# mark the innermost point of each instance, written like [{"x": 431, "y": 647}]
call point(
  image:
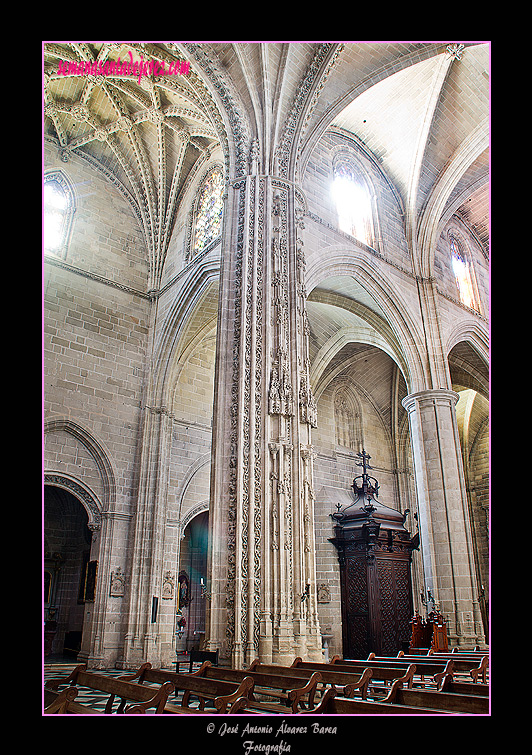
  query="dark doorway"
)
[
  {"x": 193, "y": 582},
  {"x": 68, "y": 573}
]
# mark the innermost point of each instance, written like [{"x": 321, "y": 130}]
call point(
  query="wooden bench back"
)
[
  {"x": 328, "y": 675},
  {"x": 113, "y": 686},
  {"x": 460, "y": 664},
  {"x": 332, "y": 705},
  {"x": 378, "y": 672},
  {"x": 224, "y": 692},
  {"x": 280, "y": 681},
  {"x": 422, "y": 668},
  {"x": 214, "y": 686},
  {"x": 446, "y": 701},
  {"x": 347, "y": 681}
]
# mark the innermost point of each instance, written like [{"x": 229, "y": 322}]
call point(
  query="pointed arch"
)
[
  {"x": 82, "y": 493},
  {"x": 390, "y": 316},
  {"x": 98, "y": 453}
]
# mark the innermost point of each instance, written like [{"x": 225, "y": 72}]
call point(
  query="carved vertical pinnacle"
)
[
  {"x": 308, "y": 410},
  {"x": 280, "y": 396},
  {"x": 307, "y": 404}
]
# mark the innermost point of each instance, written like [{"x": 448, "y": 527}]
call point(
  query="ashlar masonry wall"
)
[{"x": 95, "y": 344}]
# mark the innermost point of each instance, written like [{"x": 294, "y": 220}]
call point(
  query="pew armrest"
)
[
  {"x": 396, "y": 685},
  {"x": 69, "y": 680},
  {"x": 245, "y": 689},
  {"x": 158, "y": 701},
  {"x": 362, "y": 685},
  {"x": 137, "y": 676},
  {"x": 295, "y": 695},
  {"x": 57, "y": 702},
  {"x": 408, "y": 676}
]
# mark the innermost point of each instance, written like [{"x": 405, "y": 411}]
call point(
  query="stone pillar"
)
[
  {"x": 445, "y": 530},
  {"x": 262, "y": 552}
]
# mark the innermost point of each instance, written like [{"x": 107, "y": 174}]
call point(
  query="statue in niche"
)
[{"x": 183, "y": 590}]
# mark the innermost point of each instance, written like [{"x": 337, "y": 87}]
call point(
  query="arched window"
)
[
  {"x": 347, "y": 418},
  {"x": 353, "y": 202},
  {"x": 462, "y": 274},
  {"x": 209, "y": 211},
  {"x": 58, "y": 209}
]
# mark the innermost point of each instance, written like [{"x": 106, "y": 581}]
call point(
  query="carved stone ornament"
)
[
  {"x": 117, "y": 584},
  {"x": 324, "y": 593},
  {"x": 168, "y": 586}
]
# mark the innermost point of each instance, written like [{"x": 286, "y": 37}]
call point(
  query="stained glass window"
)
[
  {"x": 462, "y": 275},
  {"x": 352, "y": 202},
  {"x": 209, "y": 211},
  {"x": 56, "y": 205}
]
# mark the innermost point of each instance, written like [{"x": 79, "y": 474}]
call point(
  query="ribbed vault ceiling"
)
[{"x": 421, "y": 111}]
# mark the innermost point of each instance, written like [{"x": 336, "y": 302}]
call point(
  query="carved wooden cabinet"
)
[{"x": 375, "y": 553}]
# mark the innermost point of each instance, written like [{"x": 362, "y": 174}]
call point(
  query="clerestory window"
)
[
  {"x": 209, "y": 211},
  {"x": 353, "y": 202},
  {"x": 58, "y": 209},
  {"x": 462, "y": 275}
]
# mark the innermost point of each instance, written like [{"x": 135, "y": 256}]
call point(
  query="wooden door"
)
[{"x": 376, "y": 605}]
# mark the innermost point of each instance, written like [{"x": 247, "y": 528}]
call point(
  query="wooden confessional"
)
[{"x": 375, "y": 553}]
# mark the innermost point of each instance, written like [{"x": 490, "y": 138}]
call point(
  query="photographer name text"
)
[{"x": 251, "y": 746}]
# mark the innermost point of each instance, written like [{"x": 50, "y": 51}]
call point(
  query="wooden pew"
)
[
  {"x": 476, "y": 667},
  {"x": 381, "y": 675},
  {"x": 226, "y": 696},
  {"x": 347, "y": 683},
  {"x": 444, "y": 701},
  {"x": 331, "y": 704},
  {"x": 142, "y": 697},
  {"x": 65, "y": 702},
  {"x": 293, "y": 692},
  {"x": 426, "y": 672},
  {"x": 405, "y": 702}
]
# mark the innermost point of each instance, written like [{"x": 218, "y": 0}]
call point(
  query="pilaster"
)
[{"x": 150, "y": 628}]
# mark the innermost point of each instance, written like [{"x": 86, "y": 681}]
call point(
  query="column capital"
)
[{"x": 441, "y": 395}]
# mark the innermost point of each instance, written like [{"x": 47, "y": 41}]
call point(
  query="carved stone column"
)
[
  {"x": 445, "y": 529},
  {"x": 262, "y": 544}
]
